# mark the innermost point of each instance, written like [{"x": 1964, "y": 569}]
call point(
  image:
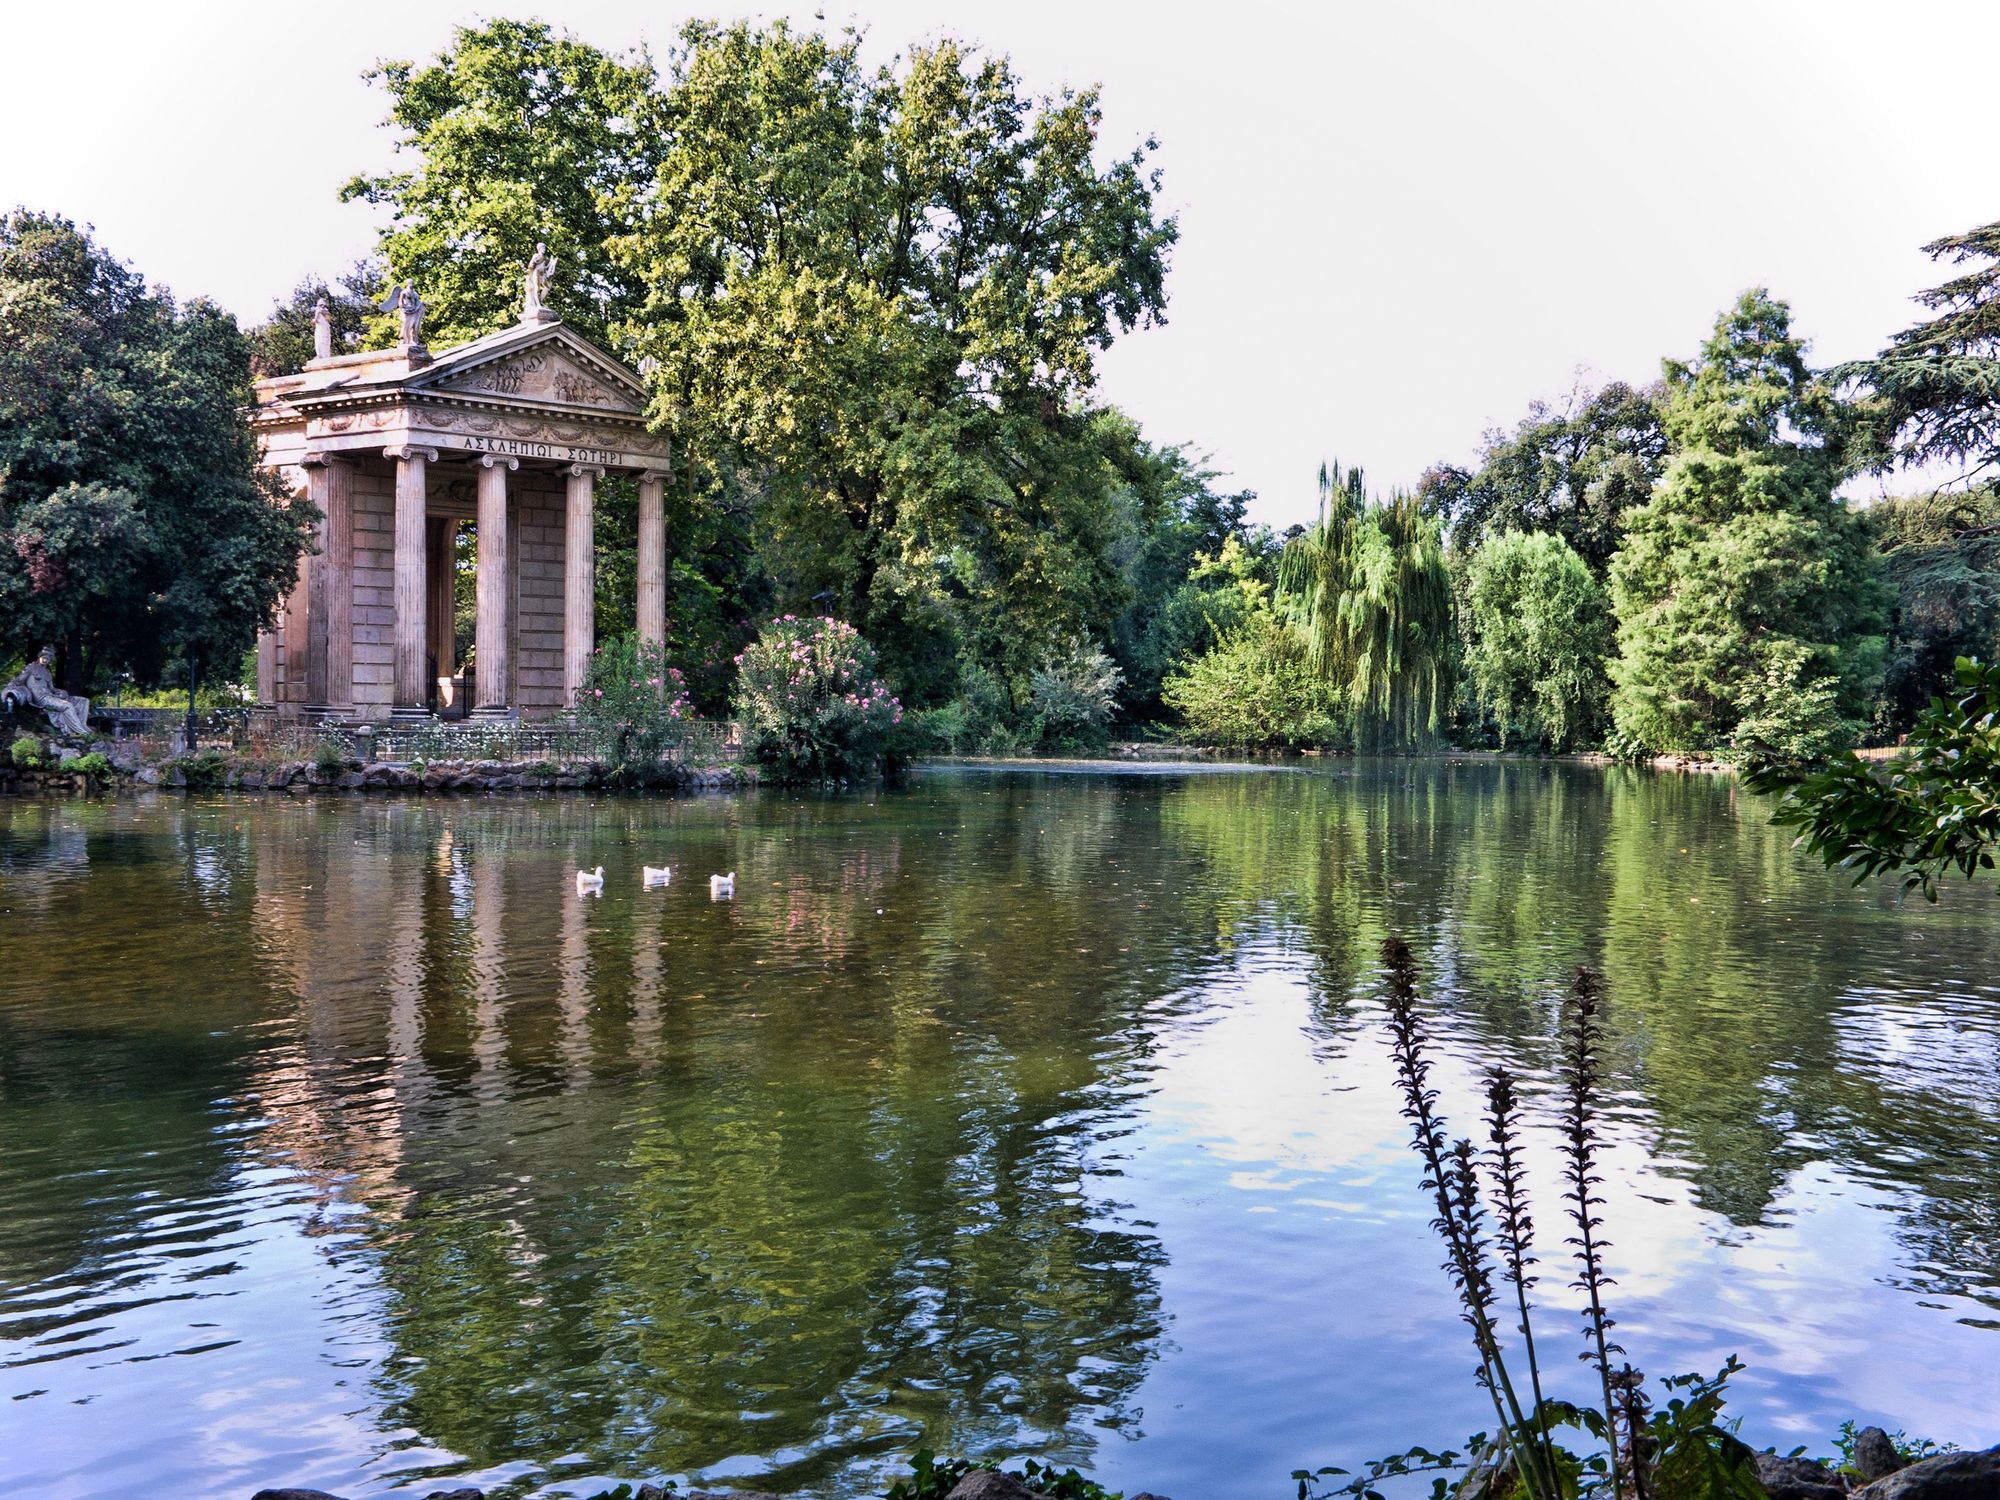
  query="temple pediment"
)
[{"x": 540, "y": 366}]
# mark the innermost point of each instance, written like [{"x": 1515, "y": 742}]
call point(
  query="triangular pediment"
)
[{"x": 536, "y": 365}]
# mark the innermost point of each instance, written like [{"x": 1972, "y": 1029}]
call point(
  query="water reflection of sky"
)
[{"x": 341, "y": 1145}]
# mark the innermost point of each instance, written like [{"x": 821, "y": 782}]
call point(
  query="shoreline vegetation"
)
[{"x": 107, "y": 767}]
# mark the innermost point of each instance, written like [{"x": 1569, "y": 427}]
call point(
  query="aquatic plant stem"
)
[
  {"x": 1580, "y": 1064},
  {"x": 1457, "y": 1202},
  {"x": 1517, "y": 1232}
]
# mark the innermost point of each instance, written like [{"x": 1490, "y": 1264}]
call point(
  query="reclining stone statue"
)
[{"x": 36, "y": 687}]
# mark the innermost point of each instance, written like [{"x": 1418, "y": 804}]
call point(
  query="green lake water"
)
[{"x": 343, "y": 1144}]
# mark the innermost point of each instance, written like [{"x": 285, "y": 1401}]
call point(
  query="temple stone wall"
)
[
  {"x": 537, "y": 661},
  {"x": 374, "y": 588}
]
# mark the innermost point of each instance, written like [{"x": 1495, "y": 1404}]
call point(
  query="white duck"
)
[
  {"x": 657, "y": 874},
  {"x": 721, "y": 885},
  {"x": 590, "y": 882}
]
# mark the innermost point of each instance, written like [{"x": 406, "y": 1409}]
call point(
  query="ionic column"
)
[
  {"x": 653, "y": 557},
  {"x": 579, "y": 578},
  {"x": 412, "y": 582},
  {"x": 495, "y": 585},
  {"x": 330, "y": 585}
]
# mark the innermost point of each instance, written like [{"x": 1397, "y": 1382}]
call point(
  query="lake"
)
[{"x": 343, "y": 1144}]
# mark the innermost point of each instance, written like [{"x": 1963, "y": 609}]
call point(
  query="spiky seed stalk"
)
[
  {"x": 1454, "y": 1186},
  {"x": 1516, "y": 1225},
  {"x": 1580, "y": 1082}
]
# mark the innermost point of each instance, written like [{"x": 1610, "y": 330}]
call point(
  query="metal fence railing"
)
[
  {"x": 706, "y": 743},
  {"x": 262, "y": 733}
]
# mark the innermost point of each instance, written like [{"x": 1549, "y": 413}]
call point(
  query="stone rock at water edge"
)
[{"x": 1949, "y": 1476}]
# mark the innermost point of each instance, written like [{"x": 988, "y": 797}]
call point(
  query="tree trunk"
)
[
  {"x": 72, "y": 662},
  {"x": 194, "y": 686}
]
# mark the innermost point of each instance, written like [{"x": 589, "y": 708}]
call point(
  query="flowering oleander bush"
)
[
  {"x": 810, "y": 701},
  {"x": 635, "y": 705}
]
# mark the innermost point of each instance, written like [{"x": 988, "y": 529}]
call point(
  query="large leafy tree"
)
[
  {"x": 875, "y": 298},
  {"x": 516, "y": 136},
  {"x": 881, "y": 294},
  {"x": 1369, "y": 586},
  {"x": 135, "y": 528},
  {"x": 1178, "y": 605},
  {"x": 1746, "y": 591},
  {"x": 1936, "y": 388},
  {"x": 1570, "y": 469},
  {"x": 1540, "y": 630}
]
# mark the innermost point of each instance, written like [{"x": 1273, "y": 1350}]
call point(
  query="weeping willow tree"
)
[{"x": 1368, "y": 585}]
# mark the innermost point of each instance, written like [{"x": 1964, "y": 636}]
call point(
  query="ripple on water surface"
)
[{"x": 344, "y": 1145}]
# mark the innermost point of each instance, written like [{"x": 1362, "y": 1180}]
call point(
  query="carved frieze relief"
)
[{"x": 540, "y": 375}]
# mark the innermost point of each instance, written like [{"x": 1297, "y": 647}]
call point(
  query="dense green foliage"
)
[
  {"x": 1572, "y": 471},
  {"x": 1256, "y": 688},
  {"x": 1538, "y": 633},
  {"x": 517, "y": 136},
  {"x": 1934, "y": 808},
  {"x": 1747, "y": 602},
  {"x": 874, "y": 298},
  {"x": 135, "y": 530},
  {"x": 811, "y": 702},
  {"x": 884, "y": 291},
  {"x": 1941, "y": 559},
  {"x": 1073, "y": 696}
]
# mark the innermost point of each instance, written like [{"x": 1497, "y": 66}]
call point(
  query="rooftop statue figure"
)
[
  {"x": 404, "y": 299},
  {"x": 322, "y": 328},
  {"x": 541, "y": 271}
]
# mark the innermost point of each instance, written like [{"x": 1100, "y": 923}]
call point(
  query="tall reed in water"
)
[{"x": 1681, "y": 1452}]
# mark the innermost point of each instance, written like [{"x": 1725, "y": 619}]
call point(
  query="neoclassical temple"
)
[{"x": 400, "y": 449}]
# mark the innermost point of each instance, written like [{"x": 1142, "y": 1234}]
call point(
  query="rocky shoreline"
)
[
  {"x": 105, "y": 770},
  {"x": 1879, "y": 1472}
]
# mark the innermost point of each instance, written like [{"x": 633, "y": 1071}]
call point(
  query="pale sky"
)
[{"x": 1400, "y": 222}]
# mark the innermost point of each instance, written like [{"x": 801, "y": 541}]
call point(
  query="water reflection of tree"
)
[
  {"x": 636, "y": 1194},
  {"x": 864, "y": 1170},
  {"x": 102, "y": 1045},
  {"x": 1731, "y": 992}
]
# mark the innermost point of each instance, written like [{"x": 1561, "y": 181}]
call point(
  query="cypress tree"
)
[{"x": 1746, "y": 592}]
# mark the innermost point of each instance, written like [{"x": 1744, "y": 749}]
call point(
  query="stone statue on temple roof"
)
[
  {"x": 541, "y": 271},
  {"x": 322, "y": 328},
  {"x": 404, "y": 299}
]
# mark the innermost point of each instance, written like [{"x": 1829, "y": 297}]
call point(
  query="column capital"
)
[
  {"x": 496, "y": 460},
  {"x": 317, "y": 458},
  {"x": 662, "y": 475},
  {"x": 411, "y": 450},
  {"x": 594, "y": 471}
]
